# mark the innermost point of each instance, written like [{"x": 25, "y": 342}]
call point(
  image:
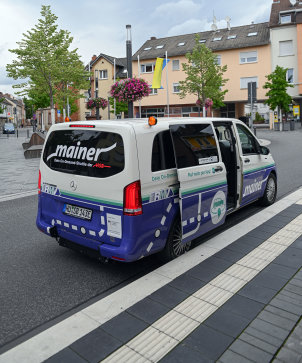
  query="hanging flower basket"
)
[
  {"x": 198, "y": 102},
  {"x": 98, "y": 102},
  {"x": 131, "y": 89},
  {"x": 208, "y": 103}
]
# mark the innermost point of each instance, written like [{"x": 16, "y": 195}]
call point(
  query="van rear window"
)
[{"x": 85, "y": 152}]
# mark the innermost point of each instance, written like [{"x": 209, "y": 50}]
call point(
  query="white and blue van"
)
[{"x": 123, "y": 190}]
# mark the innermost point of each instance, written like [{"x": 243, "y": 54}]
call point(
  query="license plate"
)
[{"x": 78, "y": 212}]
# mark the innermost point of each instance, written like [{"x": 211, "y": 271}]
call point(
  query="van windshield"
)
[{"x": 85, "y": 152}]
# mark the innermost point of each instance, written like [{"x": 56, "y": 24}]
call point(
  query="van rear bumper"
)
[{"x": 86, "y": 245}]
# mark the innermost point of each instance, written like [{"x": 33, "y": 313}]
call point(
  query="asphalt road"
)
[{"x": 40, "y": 281}]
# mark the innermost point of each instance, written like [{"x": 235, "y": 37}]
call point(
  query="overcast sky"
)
[{"x": 98, "y": 26}]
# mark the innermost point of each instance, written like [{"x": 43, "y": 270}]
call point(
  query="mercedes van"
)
[{"x": 123, "y": 190}]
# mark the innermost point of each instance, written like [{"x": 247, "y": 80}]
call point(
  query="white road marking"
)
[
  {"x": 4, "y": 198},
  {"x": 52, "y": 340}
]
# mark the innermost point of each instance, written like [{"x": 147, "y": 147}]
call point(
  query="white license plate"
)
[{"x": 78, "y": 212}]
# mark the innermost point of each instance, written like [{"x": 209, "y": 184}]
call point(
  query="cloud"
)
[{"x": 175, "y": 11}]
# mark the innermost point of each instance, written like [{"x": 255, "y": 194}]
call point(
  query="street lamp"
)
[{"x": 129, "y": 64}]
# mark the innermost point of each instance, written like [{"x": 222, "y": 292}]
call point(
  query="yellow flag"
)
[{"x": 156, "y": 83}]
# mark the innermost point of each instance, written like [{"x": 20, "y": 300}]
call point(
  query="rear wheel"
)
[
  {"x": 174, "y": 246},
  {"x": 270, "y": 192}
]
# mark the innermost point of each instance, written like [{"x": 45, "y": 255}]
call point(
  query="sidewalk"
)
[
  {"x": 17, "y": 175},
  {"x": 235, "y": 298}
]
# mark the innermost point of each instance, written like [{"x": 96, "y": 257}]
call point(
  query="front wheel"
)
[
  {"x": 174, "y": 246},
  {"x": 270, "y": 192}
]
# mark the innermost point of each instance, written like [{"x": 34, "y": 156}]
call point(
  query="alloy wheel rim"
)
[{"x": 271, "y": 189}]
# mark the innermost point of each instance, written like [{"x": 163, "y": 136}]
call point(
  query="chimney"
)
[
  {"x": 93, "y": 58},
  {"x": 152, "y": 38}
]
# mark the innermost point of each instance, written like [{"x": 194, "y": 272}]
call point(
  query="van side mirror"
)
[{"x": 264, "y": 150}]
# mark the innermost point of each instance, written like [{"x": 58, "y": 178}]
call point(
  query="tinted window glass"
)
[
  {"x": 249, "y": 144},
  {"x": 85, "y": 152},
  {"x": 194, "y": 145},
  {"x": 162, "y": 152}
]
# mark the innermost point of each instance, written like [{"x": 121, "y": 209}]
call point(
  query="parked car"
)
[{"x": 8, "y": 128}]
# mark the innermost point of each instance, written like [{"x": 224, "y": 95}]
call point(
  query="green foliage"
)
[
  {"x": 120, "y": 107},
  {"x": 277, "y": 90},
  {"x": 258, "y": 118},
  {"x": 204, "y": 75},
  {"x": 1, "y": 106},
  {"x": 45, "y": 63}
]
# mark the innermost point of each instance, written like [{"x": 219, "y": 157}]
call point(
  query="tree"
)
[
  {"x": 45, "y": 62},
  {"x": 204, "y": 76},
  {"x": 277, "y": 85},
  {"x": 1, "y": 104},
  {"x": 120, "y": 107}
]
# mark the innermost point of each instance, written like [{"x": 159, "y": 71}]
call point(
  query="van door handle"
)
[
  {"x": 218, "y": 168},
  {"x": 247, "y": 160}
]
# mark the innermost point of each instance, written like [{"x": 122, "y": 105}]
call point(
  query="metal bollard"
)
[
  {"x": 255, "y": 133},
  {"x": 27, "y": 132},
  {"x": 17, "y": 133}
]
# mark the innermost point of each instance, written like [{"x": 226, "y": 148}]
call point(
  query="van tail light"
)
[
  {"x": 133, "y": 199},
  {"x": 39, "y": 183}
]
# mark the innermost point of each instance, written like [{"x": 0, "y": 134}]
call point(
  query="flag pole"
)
[
  {"x": 139, "y": 74},
  {"x": 167, "y": 85}
]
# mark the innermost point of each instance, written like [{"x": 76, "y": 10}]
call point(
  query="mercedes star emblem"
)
[{"x": 73, "y": 185}]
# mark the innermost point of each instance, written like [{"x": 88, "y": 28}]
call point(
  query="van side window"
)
[
  {"x": 248, "y": 142},
  {"x": 162, "y": 152},
  {"x": 194, "y": 144}
]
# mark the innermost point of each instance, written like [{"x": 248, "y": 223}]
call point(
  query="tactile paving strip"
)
[{"x": 163, "y": 335}]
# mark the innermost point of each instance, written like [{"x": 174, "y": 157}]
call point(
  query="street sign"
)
[
  {"x": 275, "y": 116},
  {"x": 252, "y": 92},
  {"x": 58, "y": 112},
  {"x": 296, "y": 110}
]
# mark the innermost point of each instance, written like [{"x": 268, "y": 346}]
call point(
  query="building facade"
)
[{"x": 245, "y": 50}]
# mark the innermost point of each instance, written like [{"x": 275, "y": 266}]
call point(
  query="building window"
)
[
  {"x": 175, "y": 65},
  {"x": 181, "y": 44},
  {"x": 217, "y": 39},
  {"x": 218, "y": 60},
  {"x": 154, "y": 91},
  {"x": 104, "y": 74},
  {"x": 286, "y": 48},
  {"x": 228, "y": 110},
  {"x": 176, "y": 88},
  {"x": 202, "y": 40},
  {"x": 148, "y": 48},
  {"x": 158, "y": 112},
  {"x": 159, "y": 46},
  {"x": 86, "y": 94},
  {"x": 248, "y": 57},
  {"x": 245, "y": 80},
  {"x": 253, "y": 34},
  {"x": 232, "y": 36},
  {"x": 284, "y": 19},
  {"x": 290, "y": 75},
  {"x": 147, "y": 68}
]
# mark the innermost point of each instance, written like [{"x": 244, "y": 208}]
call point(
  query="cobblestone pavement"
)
[{"x": 17, "y": 174}]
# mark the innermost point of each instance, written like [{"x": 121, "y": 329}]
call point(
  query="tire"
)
[
  {"x": 270, "y": 192},
  {"x": 174, "y": 248}
]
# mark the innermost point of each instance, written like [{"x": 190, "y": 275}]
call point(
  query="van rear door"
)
[
  {"x": 84, "y": 171},
  {"x": 202, "y": 178}
]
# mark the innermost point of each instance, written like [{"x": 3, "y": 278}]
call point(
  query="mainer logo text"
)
[{"x": 79, "y": 152}]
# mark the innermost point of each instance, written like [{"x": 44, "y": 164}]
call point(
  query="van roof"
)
[{"x": 140, "y": 123}]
